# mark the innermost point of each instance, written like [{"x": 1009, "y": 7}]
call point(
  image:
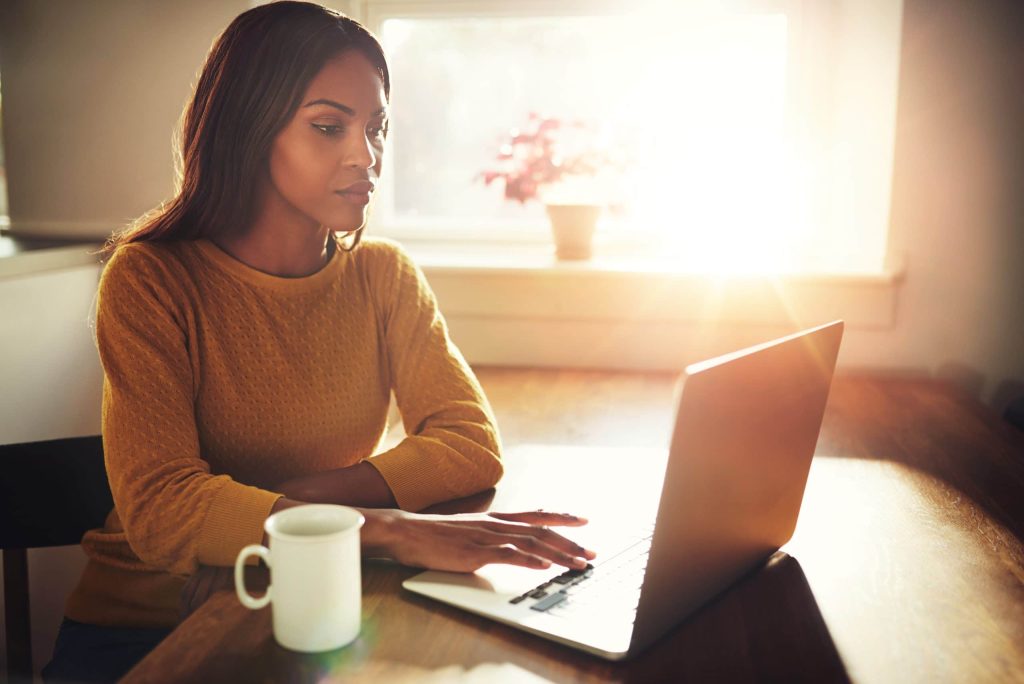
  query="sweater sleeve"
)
[
  {"x": 175, "y": 513},
  {"x": 452, "y": 448}
]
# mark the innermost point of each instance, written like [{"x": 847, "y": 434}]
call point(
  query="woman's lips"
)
[
  {"x": 357, "y": 198},
  {"x": 358, "y": 193},
  {"x": 359, "y": 186}
]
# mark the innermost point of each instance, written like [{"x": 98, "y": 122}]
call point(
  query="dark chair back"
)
[
  {"x": 51, "y": 493},
  {"x": 1015, "y": 413}
]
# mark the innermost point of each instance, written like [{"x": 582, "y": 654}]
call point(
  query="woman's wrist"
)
[{"x": 379, "y": 533}]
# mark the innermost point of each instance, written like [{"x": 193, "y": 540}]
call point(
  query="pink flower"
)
[{"x": 533, "y": 156}]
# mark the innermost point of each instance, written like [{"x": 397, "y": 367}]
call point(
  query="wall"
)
[
  {"x": 50, "y": 374},
  {"x": 958, "y": 196},
  {"x": 92, "y": 92}
]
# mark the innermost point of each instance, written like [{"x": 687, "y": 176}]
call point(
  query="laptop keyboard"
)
[{"x": 613, "y": 582}]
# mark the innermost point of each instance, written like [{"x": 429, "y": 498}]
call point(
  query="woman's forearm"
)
[{"x": 358, "y": 485}]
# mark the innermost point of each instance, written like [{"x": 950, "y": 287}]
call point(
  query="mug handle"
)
[{"x": 247, "y": 599}]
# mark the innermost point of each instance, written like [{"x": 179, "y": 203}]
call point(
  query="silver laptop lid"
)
[{"x": 746, "y": 428}]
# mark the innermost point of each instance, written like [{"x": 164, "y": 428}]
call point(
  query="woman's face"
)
[{"x": 326, "y": 161}]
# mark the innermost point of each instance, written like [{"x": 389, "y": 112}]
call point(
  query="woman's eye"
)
[
  {"x": 378, "y": 131},
  {"x": 327, "y": 129}
]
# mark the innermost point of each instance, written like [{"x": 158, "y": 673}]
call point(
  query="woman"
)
[{"x": 250, "y": 341}]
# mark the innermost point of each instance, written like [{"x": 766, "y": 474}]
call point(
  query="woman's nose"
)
[{"x": 360, "y": 153}]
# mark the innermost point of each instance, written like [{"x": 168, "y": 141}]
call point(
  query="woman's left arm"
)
[{"x": 452, "y": 448}]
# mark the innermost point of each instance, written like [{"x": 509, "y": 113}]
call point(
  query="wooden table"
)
[{"x": 907, "y": 564}]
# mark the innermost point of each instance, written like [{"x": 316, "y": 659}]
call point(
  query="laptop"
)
[{"x": 746, "y": 428}]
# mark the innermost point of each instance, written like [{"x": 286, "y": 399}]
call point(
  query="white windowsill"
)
[
  {"x": 524, "y": 281},
  {"x": 533, "y": 256}
]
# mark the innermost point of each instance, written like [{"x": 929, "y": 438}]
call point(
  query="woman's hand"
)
[{"x": 466, "y": 542}]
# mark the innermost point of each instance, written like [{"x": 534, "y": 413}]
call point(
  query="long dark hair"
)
[{"x": 250, "y": 87}]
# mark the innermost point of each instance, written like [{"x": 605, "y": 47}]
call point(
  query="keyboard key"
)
[
  {"x": 517, "y": 599},
  {"x": 540, "y": 593},
  {"x": 551, "y": 600},
  {"x": 571, "y": 574}
]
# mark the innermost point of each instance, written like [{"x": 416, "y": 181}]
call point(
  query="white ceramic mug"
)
[{"x": 315, "y": 582}]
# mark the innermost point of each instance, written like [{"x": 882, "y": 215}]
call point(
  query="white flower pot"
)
[{"x": 573, "y": 226}]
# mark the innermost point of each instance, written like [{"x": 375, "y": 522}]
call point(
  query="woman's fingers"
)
[
  {"x": 441, "y": 545},
  {"x": 530, "y": 540},
  {"x": 510, "y": 555},
  {"x": 529, "y": 525},
  {"x": 464, "y": 544},
  {"x": 541, "y": 534},
  {"x": 541, "y": 518}
]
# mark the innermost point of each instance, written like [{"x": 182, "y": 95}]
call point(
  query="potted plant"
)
[{"x": 557, "y": 162}]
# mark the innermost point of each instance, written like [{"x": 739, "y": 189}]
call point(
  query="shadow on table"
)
[{"x": 767, "y": 627}]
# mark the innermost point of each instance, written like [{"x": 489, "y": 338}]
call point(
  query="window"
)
[{"x": 760, "y": 134}]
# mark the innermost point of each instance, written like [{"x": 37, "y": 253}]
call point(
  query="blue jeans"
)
[{"x": 91, "y": 653}]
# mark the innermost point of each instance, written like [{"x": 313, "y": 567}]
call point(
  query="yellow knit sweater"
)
[{"x": 221, "y": 381}]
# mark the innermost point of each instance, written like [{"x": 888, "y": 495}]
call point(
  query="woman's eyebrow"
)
[{"x": 345, "y": 108}]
